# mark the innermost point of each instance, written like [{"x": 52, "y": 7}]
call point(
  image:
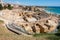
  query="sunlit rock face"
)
[
  {"x": 52, "y": 25},
  {"x": 31, "y": 19}
]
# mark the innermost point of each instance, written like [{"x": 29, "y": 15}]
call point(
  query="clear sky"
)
[{"x": 35, "y": 2}]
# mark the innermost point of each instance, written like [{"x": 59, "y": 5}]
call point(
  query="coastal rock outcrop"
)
[{"x": 32, "y": 21}]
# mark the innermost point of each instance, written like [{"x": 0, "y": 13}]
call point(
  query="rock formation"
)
[{"x": 31, "y": 20}]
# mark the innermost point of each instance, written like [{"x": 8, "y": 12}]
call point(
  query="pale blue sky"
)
[{"x": 36, "y": 2}]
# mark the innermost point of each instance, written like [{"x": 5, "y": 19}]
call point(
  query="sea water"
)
[{"x": 53, "y": 9}]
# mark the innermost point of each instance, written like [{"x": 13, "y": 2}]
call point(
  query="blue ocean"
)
[{"x": 55, "y": 10}]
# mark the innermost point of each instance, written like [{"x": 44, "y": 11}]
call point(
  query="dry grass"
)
[{"x": 5, "y": 34}]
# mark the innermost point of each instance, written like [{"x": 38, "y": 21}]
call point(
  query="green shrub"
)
[
  {"x": 1, "y": 7},
  {"x": 5, "y": 7},
  {"x": 9, "y": 7},
  {"x": 58, "y": 27}
]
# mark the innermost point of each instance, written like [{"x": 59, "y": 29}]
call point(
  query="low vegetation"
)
[
  {"x": 48, "y": 36},
  {"x": 6, "y": 7}
]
